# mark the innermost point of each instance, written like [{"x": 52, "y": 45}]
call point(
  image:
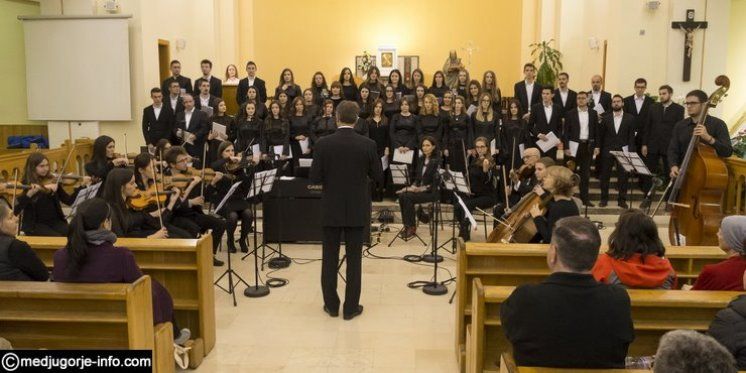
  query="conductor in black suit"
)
[
  {"x": 157, "y": 119},
  {"x": 197, "y": 124},
  {"x": 343, "y": 163},
  {"x": 616, "y": 133}
]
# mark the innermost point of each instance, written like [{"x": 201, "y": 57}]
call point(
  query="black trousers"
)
[
  {"x": 330, "y": 260},
  {"x": 200, "y": 223},
  {"x": 482, "y": 202},
  {"x": 408, "y": 200},
  {"x": 583, "y": 164},
  {"x": 56, "y": 228},
  {"x": 607, "y": 163},
  {"x": 653, "y": 162}
]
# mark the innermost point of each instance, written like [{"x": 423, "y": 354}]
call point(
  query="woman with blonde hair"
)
[
  {"x": 484, "y": 119},
  {"x": 560, "y": 182},
  {"x": 429, "y": 122}
]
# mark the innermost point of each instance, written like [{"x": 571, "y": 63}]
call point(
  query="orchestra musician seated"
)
[
  {"x": 482, "y": 189},
  {"x": 423, "y": 189}
]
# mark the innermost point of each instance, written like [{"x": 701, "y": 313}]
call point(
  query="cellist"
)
[{"x": 713, "y": 132}]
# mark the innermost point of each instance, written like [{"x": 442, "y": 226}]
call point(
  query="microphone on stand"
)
[{"x": 657, "y": 183}]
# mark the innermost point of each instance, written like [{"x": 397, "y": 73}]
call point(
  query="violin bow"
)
[
  {"x": 126, "y": 157},
  {"x": 13, "y": 206},
  {"x": 466, "y": 164},
  {"x": 157, "y": 199},
  {"x": 204, "y": 160},
  {"x": 512, "y": 161},
  {"x": 64, "y": 166}
]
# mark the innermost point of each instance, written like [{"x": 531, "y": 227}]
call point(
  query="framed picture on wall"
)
[
  {"x": 360, "y": 70},
  {"x": 387, "y": 60},
  {"x": 407, "y": 64}
]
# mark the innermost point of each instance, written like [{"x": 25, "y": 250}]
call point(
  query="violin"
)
[
  {"x": 149, "y": 197},
  {"x": 233, "y": 165},
  {"x": 523, "y": 173},
  {"x": 10, "y": 188}
]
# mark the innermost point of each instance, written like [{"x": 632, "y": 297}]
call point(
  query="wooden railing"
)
[
  {"x": 82, "y": 152},
  {"x": 735, "y": 196}
]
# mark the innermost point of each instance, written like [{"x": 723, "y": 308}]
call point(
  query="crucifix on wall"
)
[{"x": 688, "y": 26}]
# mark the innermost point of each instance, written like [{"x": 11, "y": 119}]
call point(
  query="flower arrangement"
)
[
  {"x": 365, "y": 63},
  {"x": 739, "y": 143}
]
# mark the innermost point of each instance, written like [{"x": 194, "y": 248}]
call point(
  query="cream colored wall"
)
[
  {"x": 13, "y": 61},
  {"x": 734, "y": 106},
  {"x": 326, "y": 35}
]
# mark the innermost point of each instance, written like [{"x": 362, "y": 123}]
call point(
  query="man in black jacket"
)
[
  {"x": 184, "y": 82},
  {"x": 216, "y": 85},
  {"x": 638, "y": 105},
  {"x": 251, "y": 81},
  {"x": 546, "y": 117},
  {"x": 563, "y": 96},
  {"x": 527, "y": 91},
  {"x": 570, "y": 320},
  {"x": 205, "y": 99},
  {"x": 656, "y": 136},
  {"x": 157, "y": 119},
  {"x": 173, "y": 99},
  {"x": 597, "y": 96},
  {"x": 616, "y": 133},
  {"x": 192, "y": 127},
  {"x": 580, "y": 128},
  {"x": 344, "y": 163}
]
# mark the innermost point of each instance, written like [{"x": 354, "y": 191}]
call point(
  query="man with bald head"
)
[
  {"x": 521, "y": 186},
  {"x": 597, "y": 95}
]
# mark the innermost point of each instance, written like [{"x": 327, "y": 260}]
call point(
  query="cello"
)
[{"x": 696, "y": 199}]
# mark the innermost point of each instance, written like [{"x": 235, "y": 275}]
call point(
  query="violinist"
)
[
  {"x": 215, "y": 139},
  {"x": 523, "y": 179},
  {"x": 423, "y": 189},
  {"x": 103, "y": 160},
  {"x": 237, "y": 207},
  {"x": 248, "y": 130},
  {"x": 145, "y": 198},
  {"x": 126, "y": 222},
  {"x": 41, "y": 204},
  {"x": 482, "y": 188},
  {"x": 560, "y": 182},
  {"x": 188, "y": 214}
]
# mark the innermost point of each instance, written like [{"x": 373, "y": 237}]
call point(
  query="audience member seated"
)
[
  {"x": 91, "y": 257},
  {"x": 728, "y": 274},
  {"x": 729, "y": 328},
  {"x": 687, "y": 351},
  {"x": 569, "y": 320},
  {"x": 5, "y": 345},
  {"x": 636, "y": 255},
  {"x": 17, "y": 261}
]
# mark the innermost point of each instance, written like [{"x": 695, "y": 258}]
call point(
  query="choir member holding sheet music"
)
[
  {"x": 545, "y": 122},
  {"x": 300, "y": 132},
  {"x": 221, "y": 124},
  {"x": 580, "y": 137},
  {"x": 514, "y": 136},
  {"x": 403, "y": 133},
  {"x": 458, "y": 136},
  {"x": 247, "y": 133},
  {"x": 378, "y": 130},
  {"x": 615, "y": 133}
]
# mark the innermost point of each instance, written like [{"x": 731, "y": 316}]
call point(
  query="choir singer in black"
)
[{"x": 343, "y": 163}]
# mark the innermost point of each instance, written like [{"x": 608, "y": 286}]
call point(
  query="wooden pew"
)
[
  {"x": 654, "y": 312},
  {"x": 82, "y": 152},
  {"x": 507, "y": 365},
  {"x": 183, "y": 266},
  {"x": 52, "y": 315},
  {"x": 515, "y": 264}
]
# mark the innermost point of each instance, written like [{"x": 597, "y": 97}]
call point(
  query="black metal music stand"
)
[{"x": 256, "y": 290}]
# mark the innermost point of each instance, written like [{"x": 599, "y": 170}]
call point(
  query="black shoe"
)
[
  {"x": 217, "y": 262},
  {"x": 603, "y": 204},
  {"x": 244, "y": 245},
  {"x": 588, "y": 203},
  {"x": 623, "y": 204},
  {"x": 645, "y": 204},
  {"x": 232, "y": 247},
  {"x": 354, "y": 314},
  {"x": 330, "y": 313}
]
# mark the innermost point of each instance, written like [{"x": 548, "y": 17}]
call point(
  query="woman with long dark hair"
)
[
  {"x": 423, "y": 189},
  {"x": 403, "y": 130},
  {"x": 118, "y": 188},
  {"x": 446, "y": 105},
  {"x": 237, "y": 208},
  {"x": 91, "y": 257},
  {"x": 20, "y": 262},
  {"x": 276, "y": 133},
  {"x": 482, "y": 189},
  {"x": 419, "y": 98},
  {"x": 462, "y": 83},
  {"x": 145, "y": 177},
  {"x": 636, "y": 255},
  {"x": 287, "y": 85},
  {"x": 350, "y": 91},
  {"x": 42, "y": 204},
  {"x": 103, "y": 160},
  {"x": 390, "y": 103},
  {"x": 312, "y": 108},
  {"x": 417, "y": 78},
  {"x": 365, "y": 103},
  {"x": 220, "y": 116},
  {"x": 513, "y": 134},
  {"x": 319, "y": 88},
  {"x": 378, "y": 130},
  {"x": 248, "y": 131},
  {"x": 489, "y": 85},
  {"x": 260, "y": 109},
  {"x": 326, "y": 124},
  {"x": 373, "y": 82},
  {"x": 396, "y": 82},
  {"x": 485, "y": 120},
  {"x": 300, "y": 132},
  {"x": 457, "y": 136},
  {"x": 439, "y": 86}
]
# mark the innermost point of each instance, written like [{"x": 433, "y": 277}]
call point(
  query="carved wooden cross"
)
[{"x": 688, "y": 26}]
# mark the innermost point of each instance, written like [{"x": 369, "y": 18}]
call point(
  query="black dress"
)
[
  {"x": 260, "y": 112},
  {"x": 42, "y": 213},
  {"x": 375, "y": 88},
  {"x": 322, "y": 127},
  {"x": 485, "y": 128},
  {"x": 513, "y": 131},
  {"x": 276, "y": 133},
  {"x": 379, "y": 132},
  {"x": 299, "y": 125},
  {"x": 458, "y": 134},
  {"x": 556, "y": 210},
  {"x": 247, "y": 133},
  {"x": 319, "y": 95},
  {"x": 390, "y": 109},
  {"x": 403, "y": 132},
  {"x": 439, "y": 92},
  {"x": 292, "y": 91},
  {"x": 350, "y": 92},
  {"x": 430, "y": 125},
  {"x": 228, "y": 121},
  {"x": 483, "y": 193},
  {"x": 366, "y": 108}
]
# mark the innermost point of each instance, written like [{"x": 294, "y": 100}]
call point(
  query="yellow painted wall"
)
[
  {"x": 13, "y": 61},
  {"x": 734, "y": 106},
  {"x": 326, "y": 35}
]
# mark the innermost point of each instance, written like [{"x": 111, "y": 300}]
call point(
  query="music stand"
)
[
  {"x": 400, "y": 176},
  {"x": 447, "y": 181},
  {"x": 258, "y": 185},
  {"x": 230, "y": 272},
  {"x": 632, "y": 164},
  {"x": 84, "y": 195}
]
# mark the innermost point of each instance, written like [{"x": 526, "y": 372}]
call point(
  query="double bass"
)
[{"x": 696, "y": 199}]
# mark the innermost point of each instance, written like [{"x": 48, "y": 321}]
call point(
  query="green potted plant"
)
[
  {"x": 548, "y": 61},
  {"x": 739, "y": 144}
]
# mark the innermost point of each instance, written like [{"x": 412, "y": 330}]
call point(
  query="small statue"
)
[{"x": 451, "y": 68}]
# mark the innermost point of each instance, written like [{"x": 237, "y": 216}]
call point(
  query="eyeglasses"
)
[
  {"x": 481, "y": 147},
  {"x": 692, "y": 103}
]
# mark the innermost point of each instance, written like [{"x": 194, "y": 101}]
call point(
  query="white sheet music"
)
[
  {"x": 304, "y": 145},
  {"x": 278, "y": 150},
  {"x": 551, "y": 141},
  {"x": 385, "y": 162},
  {"x": 599, "y": 109},
  {"x": 406, "y": 157},
  {"x": 467, "y": 213},
  {"x": 574, "y": 148},
  {"x": 493, "y": 147},
  {"x": 305, "y": 162},
  {"x": 219, "y": 129},
  {"x": 399, "y": 174},
  {"x": 227, "y": 196},
  {"x": 85, "y": 194},
  {"x": 447, "y": 180},
  {"x": 521, "y": 148}
]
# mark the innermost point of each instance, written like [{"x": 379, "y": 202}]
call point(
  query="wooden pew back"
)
[
  {"x": 654, "y": 312},
  {"x": 183, "y": 266},
  {"x": 82, "y": 152}
]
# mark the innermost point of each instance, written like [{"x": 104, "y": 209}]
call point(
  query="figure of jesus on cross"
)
[{"x": 688, "y": 26}]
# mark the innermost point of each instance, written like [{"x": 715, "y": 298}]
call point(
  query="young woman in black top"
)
[
  {"x": 439, "y": 87},
  {"x": 237, "y": 207},
  {"x": 561, "y": 182},
  {"x": 313, "y": 109},
  {"x": 365, "y": 103},
  {"x": 429, "y": 122},
  {"x": 287, "y": 85},
  {"x": 457, "y": 135},
  {"x": 214, "y": 139},
  {"x": 319, "y": 88},
  {"x": 396, "y": 82},
  {"x": 326, "y": 125},
  {"x": 489, "y": 85},
  {"x": 482, "y": 189},
  {"x": 373, "y": 83},
  {"x": 446, "y": 105},
  {"x": 336, "y": 94},
  {"x": 417, "y": 78},
  {"x": 276, "y": 133},
  {"x": 42, "y": 204},
  {"x": 125, "y": 222},
  {"x": 248, "y": 131},
  {"x": 18, "y": 262},
  {"x": 390, "y": 103},
  {"x": 284, "y": 102},
  {"x": 472, "y": 100},
  {"x": 485, "y": 120},
  {"x": 462, "y": 83},
  {"x": 419, "y": 98},
  {"x": 513, "y": 133},
  {"x": 260, "y": 109},
  {"x": 300, "y": 131},
  {"x": 423, "y": 189},
  {"x": 103, "y": 160},
  {"x": 378, "y": 130},
  {"x": 403, "y": 129},
  {"x": 350, "y": 91}
]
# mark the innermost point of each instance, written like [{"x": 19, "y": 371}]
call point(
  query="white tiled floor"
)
[{"x": 400, "y": 330}]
